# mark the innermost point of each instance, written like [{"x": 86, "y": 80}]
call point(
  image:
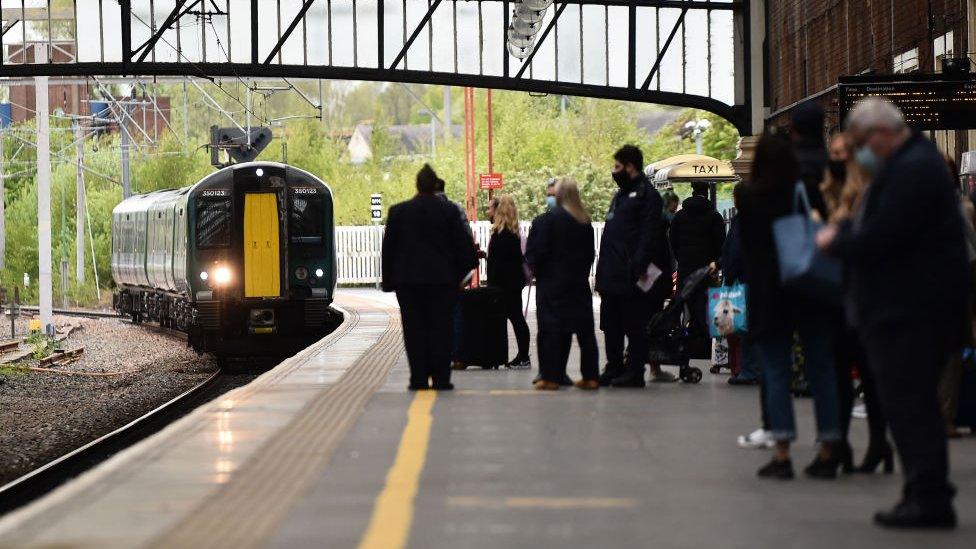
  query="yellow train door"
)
[{"x": 262, "y": 264}]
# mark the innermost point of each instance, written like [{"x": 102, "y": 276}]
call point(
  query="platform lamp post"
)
[
  {"x": 433, "y": 130},
  {"x": 43, "y": 193}
]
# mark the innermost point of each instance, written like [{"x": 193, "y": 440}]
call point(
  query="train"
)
[{"x": 243, "y": 261}]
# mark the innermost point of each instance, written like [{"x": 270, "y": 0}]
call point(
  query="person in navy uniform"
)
[
  {"x": 634, "y": 237},
  {"x": 427, "y": 253}
]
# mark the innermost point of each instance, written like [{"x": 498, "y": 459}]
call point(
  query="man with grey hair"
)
[{"x": 907, "y": 286}]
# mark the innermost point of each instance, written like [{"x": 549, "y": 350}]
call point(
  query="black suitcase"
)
[{"x": 484, "y": 328}]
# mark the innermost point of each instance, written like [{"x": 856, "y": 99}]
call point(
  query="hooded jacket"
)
[{"x": 697, "y": 235}]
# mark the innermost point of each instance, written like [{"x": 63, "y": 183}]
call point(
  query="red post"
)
[
  {"x": 471, "y": 175},
  {"x": 491, "y": 144}
]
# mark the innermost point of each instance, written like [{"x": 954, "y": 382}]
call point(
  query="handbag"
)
[
  {"x": 727, "y": 311},
  {"x": 802, "y": 266}
]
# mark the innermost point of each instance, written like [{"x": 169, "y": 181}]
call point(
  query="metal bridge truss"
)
[{"x": 691, "y": 53}]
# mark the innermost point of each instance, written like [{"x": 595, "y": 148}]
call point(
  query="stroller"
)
[{"x": 668, "y": 334}]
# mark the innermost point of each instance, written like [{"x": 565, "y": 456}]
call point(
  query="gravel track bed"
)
[{"x": 44, "y": 415}]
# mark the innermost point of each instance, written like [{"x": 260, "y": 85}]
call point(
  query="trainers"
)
[
  {"x": 757, "y": 440},
  {"x": 519, "y": 364},
  {"x": 630, "y": 380}
]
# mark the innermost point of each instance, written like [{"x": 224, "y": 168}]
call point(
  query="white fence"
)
[{"x": 358, "y": 250}]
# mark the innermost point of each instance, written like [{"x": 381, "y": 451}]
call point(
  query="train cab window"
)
[
  {"x": 213, "y": 222},
  {"x": 307, "y": 219}
]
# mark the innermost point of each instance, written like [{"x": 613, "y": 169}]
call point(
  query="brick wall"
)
[{"x": 812, "y": 43}]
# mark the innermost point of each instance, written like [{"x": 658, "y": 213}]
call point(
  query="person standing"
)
[
  {"x": 697, "y": 237},
  {"x": 506, "y": 271},
  {"x": 843, "y": 188},
  {"x": 776, "y": 313},
  {"x": 908, "y": 284},
  {"x": 560, "y": 252},
  {"x": 634, "y": 237},
  {"x": 427, "y": 252}
]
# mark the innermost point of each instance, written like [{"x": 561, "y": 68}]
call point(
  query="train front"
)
[{"x": 262, "y": 266}]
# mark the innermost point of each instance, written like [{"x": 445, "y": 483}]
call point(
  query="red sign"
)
[{"x": 492, "y": 181}]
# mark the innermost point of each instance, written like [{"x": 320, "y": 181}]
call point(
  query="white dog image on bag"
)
[{"x": 723, "y": 315}]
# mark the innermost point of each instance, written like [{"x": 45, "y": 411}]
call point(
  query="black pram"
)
[{"x": 667, "y": 332}]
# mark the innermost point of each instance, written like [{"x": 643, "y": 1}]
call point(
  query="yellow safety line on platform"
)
[{"x": 389, "y": 527}]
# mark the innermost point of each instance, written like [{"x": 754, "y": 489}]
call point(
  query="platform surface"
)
[{"x": 332, "y": 451}]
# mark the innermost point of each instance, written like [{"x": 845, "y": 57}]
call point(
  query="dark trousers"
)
[
  {"x": 851, "y": 352},
  {"x": 427, "y": 314},
  {"x": 513, "y": 311},
  {"x": 554, "y": 350},
  {"x": 907, "y": 359},
  {"x": 625, "y": 316},
  {"x": 698, "y": 322}
]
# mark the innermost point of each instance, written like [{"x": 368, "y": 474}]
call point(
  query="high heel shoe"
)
[{"x": 874, "y": 457}]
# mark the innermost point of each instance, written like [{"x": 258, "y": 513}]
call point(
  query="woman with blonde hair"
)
[
  {"x": 506, "y": 270},
  {"x": 560, "y": 252}
]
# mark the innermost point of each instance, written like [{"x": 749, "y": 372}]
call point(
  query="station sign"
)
[
  {"x": 376, "y": 207},
  {"x": 491, "y": 181},
  {"x": 929, "y": 102}
]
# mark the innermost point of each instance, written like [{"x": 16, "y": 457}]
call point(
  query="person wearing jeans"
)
[{"x": 776, "y": 313}]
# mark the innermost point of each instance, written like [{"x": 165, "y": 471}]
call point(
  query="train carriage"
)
[{"x": 243, "y": 261}]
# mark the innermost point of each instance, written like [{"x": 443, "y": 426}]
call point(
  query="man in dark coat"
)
[
  {"x": 427, "y": 252},
  {"x": 908, "y": 286},
  {"x": 697, "y": 236},
  {"x": 634, "y": 237}
]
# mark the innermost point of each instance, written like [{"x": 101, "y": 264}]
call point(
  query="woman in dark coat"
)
[
  {"x": 560, "y": 252},
  {"x": 506, "y": 271},
  {"x": 777, "y": 313}
]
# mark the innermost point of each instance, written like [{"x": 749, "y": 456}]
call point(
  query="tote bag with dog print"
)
[{"x": 727, "y": 310}]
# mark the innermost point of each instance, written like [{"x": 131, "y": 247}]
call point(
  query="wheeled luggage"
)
[{"x": 484, "y": 328}]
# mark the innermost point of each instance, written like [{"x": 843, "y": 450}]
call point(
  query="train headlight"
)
[
  {"x": 259, "y": 172},
  {"x": 301, "y": 273},
  {"x": 204, "y": 275},
  {"x": 222, "y": 275},
  {"x": 319, "y": 273}
]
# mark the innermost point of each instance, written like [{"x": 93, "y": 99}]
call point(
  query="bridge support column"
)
[{"x": 750, "y": 83}]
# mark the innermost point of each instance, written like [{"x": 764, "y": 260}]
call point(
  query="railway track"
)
[
  {"x": 85, "y": 313},
  {"x": 49, "y": 476}
]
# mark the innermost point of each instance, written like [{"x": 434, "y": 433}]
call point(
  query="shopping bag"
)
[
  {"x": 803, "y": 267},
  {"x": 727, "y": 310}
]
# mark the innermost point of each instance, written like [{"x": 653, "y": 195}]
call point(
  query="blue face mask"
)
[
  {"x": 867, "y": 159},
  {"x": 550, "y": 202}
]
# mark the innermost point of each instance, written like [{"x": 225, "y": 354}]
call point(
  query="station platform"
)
[{"x": 330, "y": 450}]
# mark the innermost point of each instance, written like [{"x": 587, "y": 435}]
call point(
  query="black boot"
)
[
  {"x": 632, "y": 379},
  {"x": 608, "y": 375},
  {"x": 781, "y": 470},
  {"x": 877, "y": 454},
  {"x": 823, "y": 468},
  {"x": 909, "y": 514}
]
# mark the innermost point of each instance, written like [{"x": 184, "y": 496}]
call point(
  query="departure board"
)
[{"x": 927, "y": 105}]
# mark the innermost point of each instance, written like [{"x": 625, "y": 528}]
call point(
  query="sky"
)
[{"x": 602, "y": 61}]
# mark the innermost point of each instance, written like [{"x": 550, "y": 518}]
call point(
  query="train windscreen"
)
[
  {"x": 213, "y": 222},
  {"x": 307, "y": 219}
]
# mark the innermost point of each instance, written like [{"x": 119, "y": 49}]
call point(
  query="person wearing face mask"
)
[
  {"x": 907, "y": 292},
  {"x": 843, "y": 187},
  {"x": 634, "y": 237},
  {"x": 550, "y": 194}
]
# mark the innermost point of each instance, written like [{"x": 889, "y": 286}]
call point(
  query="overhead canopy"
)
[{"x": 686, "y": 168}]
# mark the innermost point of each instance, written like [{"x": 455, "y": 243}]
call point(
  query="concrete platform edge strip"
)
[
  {"x": 26, "y": 522},
  {"x": 247, "y": 511}
]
